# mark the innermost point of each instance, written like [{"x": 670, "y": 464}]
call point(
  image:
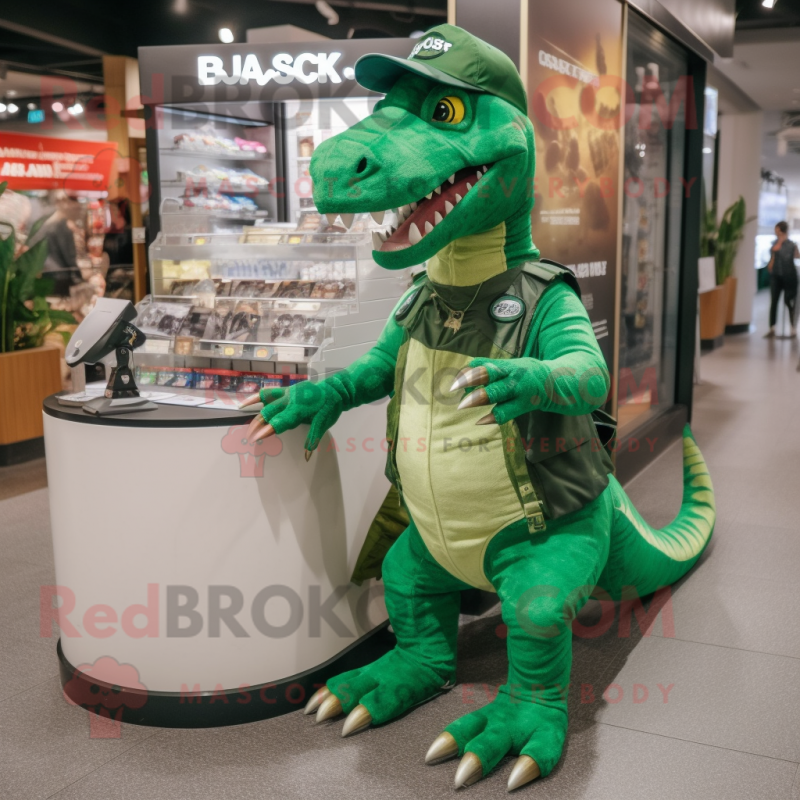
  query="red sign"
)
[{"x": 41, "y": 162}]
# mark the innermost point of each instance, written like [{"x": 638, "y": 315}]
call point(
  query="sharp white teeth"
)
[
  {"x": 452, "y": 178},
  {"x": 331, "y": 218},
  {"x": 438, "y": 190},
  {"x": 377, "y": 216},
  {"x": 347, "y": 220},
  {"x": 469, "y": 185},
  {"x": 428, "y": 196},
  {"x": 413, "y": 206},
  {"x": 403, "y": 213},
  {"x": 459, "y": 198},
  {"x": 414, "y": 235},
  {"x": 428, "y": 227},
  {"x": 437, "y": 218},
  {"x": 479, "y": 174},
  {"x": 377, "y": 240},
  {"x": 448, "y": 206}
]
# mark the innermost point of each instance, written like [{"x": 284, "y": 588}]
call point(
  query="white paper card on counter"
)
[
  {"x": 181, "y": 400},
  {"x": 224, "y": 405}
]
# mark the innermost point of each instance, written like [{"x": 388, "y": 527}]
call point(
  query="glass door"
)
[{"x": 654, "y": 191}]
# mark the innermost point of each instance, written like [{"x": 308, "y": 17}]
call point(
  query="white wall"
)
[{"x": 740, "y": 174}]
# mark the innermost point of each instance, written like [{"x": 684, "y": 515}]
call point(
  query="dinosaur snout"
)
[{"x": 340, "y": 169}]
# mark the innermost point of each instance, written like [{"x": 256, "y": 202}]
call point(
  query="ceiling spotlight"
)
[
  {"x": 225, "y": 35},
  {"x": 75, "y": 110},
  {"x": 11, "y": 93},
  {"x": 13, "y": 108},
  {"x": 57, "y": 107},
  {"x": 181, "y": 6},
  {"x": 768, "y": 3},
  {"x": 2, "y": 108},
  {"x": 31, "y": 106},
  {"x": 327, "y": 12},
  {"x": 707, "y": 150}
]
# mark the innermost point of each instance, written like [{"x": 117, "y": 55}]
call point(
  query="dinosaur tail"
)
[{"x": 646, "y": 559}]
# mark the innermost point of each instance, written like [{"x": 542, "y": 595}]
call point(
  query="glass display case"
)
[{"x": 249, "y": 284}]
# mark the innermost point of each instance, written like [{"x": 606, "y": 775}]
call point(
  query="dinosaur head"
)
[{"x": 449, "y": 146}]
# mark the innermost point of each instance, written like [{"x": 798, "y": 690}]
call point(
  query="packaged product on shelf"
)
[
  {"x": 295, "y": 289},
  {"x": 222, "y": 288},
  {"x": 333, "y": 290},
  {"x": 183, "y": 288},
  {"x": 177, "y": 377},
  {"x": 196, "y": 322},
  {"x": 289, "y": 328},
  {"x": 205, "y": 379},
  {"x": 162, "y": 319},
  {"x": 145, "y": 376},
  {"x": 250, "y": 382},
  {"x": 294, "y": 378},
  {"x": 244, "y": 323},
  {"x": 246, "y": 288},
  {"x": 245, "y": 145},
  {"x": 270, "y": 380},
  {"x": 309, "y": 221},
  {"x": 228, "y": 380},
  {"x": 221, "y": 319}
]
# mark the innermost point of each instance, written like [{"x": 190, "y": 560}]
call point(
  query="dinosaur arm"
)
[
  {"x": 320, "y": 403},
  {"x": 562, "y": 371}
]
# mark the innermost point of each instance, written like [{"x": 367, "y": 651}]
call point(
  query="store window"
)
[{"x": 654, "y": 190}]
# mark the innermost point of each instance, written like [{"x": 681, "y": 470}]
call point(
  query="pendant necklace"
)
[{"x": 455, "y": 316}]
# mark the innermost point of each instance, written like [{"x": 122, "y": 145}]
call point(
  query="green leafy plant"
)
[
  {"x": 25, "y": 315},
  {"x": 730, "y": 233},
  {"x": 708, "y": 226}
]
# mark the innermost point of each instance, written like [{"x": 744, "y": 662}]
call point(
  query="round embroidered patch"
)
[
  {"x": 507, "y": 308},
  {"x": 406, "y": 305}
]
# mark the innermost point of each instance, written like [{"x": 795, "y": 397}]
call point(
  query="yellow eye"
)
[{"x": 449, "y": 109}]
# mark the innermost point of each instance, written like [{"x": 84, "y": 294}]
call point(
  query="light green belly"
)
[{"x": 452, "y": 471}]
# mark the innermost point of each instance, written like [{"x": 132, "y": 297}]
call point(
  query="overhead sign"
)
[
  {"x": 257, "y": 71},
  {"x": 41, "y": 162},
  {"x": 306, "y": 68}
]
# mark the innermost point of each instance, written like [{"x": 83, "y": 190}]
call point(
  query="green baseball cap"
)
[{"x": 452, "y": 56}]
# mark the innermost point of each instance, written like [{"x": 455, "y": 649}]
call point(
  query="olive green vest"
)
[{"x": 557, "y": 463}]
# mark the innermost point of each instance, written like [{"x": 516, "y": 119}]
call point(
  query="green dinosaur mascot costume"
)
[{"x": 521, "y": 500}]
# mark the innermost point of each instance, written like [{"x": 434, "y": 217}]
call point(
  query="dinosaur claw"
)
[
  {"x": 525, "y": 770},
  {"x": 444, "y": 746},
  {"x": 476, "y": 398},
  {"x": 316, "y": 700},
  {"x": 259, "y": 430},
  {"x": 469, "y": 771},
  {"x": 249, "y": 401},
  {"x": 470, "y": 376},
  {"x": 331, "y": 707},
  {"x": 358, "y": 719},
  {"x": 489, "y": 419},
  {"x": 308, "y": 454}
]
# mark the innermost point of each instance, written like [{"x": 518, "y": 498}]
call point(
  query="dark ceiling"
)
[
  {"x": 77, "y": 32},
  {"x": 751, "y": 14},
  {"x": 73, "y": 34}
]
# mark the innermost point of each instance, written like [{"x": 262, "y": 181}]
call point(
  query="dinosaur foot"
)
[
  {"x": 376, "y": 693},
  {"x": 509, "y": 725}
]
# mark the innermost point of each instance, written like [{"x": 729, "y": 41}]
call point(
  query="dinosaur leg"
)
[
  {"x": 542, "y": 581},
  {"x": 423, "y": 602}
]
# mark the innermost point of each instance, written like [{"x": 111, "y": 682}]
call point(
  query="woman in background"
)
[{"x": 782, "y": 277}]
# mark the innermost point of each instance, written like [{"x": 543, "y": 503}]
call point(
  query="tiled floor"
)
[{"x": 730, "y": 727}]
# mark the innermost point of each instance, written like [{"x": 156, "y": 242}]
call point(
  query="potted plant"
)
[
  {"x": 730, "y": 233},
  {"x": 29, "y": 369},
  {"x": 713, "y": 303}
]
